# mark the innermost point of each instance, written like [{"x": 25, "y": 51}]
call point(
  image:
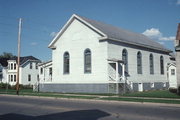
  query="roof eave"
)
[{"x": 142, "y": 45}]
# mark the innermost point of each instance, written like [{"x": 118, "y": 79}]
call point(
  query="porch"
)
[{"x": 118, "y": 82}]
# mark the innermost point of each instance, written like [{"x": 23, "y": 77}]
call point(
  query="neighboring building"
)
[
  {"x": 45, "y": 72},
  {"x": 172, "y": 75},
  {"x": 3, "y": 70},
  {"x": 28, "y": 70},
  {"x": 93, "y": 57}
]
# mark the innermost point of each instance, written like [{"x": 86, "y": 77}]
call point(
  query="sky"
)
[{"x": 42, "y": 19}]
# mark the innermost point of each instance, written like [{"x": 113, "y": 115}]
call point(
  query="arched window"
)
[
  {"x": 87, "y": 61},
  {"x": 139, "y": 63},
  {"x": 151, "y": 64},
  {"x": 162, "y": 65},
  {"x": 125, "y": 59},
  {"x": 66, "y": 63}
]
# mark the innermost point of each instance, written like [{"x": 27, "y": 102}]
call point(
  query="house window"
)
[
  {"x": 14, "y": 66},
  {"x": 14, "y": 78},
  {"x": 36, "y": 65},
  {"x": 11, "y": 78},
  {"x": 29, "y": 77},
  {"x": 139, "y": 63},
  {"x": 162, "y": 65},
  {"x": 50, "y": 71},
  {"x": 41, "y": 70},
  {"x": 151, "y": 64},
  {"x": 11, "y": 66},
  {"x": 66, "y": 63},
  {"x": 125, "y": 59},
  {"x": 87, "y": 61},
  {"x": 30, "y": 65},
  {"x": 172, "y": 71}
]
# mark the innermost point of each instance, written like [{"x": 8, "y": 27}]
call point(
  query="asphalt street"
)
[{"x": 41, "y": 108}]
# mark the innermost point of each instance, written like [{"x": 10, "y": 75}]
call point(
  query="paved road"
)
[{"x": 35, "y": 108}]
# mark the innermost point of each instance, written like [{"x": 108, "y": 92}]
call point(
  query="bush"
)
[
  {"x": 4, "y": 85},
  {"x": 173, "y": 90},
  {"x": 178, "y": 90}
]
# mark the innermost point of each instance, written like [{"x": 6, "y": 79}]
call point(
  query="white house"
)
[
  {"x": 28, "y": 71},
  {"x": 45, "y": 72},
  {"x": 91, "y": 56}
]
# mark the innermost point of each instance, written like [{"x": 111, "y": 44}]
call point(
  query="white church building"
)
[{"x": 93, "y": 57}]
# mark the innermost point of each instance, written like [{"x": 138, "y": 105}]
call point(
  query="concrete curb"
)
[{"x": 97, "y": 100}]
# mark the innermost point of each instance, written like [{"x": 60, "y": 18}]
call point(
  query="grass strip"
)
[
  {"x": 48, "y": 95},
  {"x": 154, "y": 94}
]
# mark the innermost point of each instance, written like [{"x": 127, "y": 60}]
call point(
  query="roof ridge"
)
[{"x": 113, "y": 33}]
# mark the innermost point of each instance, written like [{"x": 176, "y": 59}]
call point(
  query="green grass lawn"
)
[
  {"x": 154, "y": 94},
  {"x": 141, "y": 96}
]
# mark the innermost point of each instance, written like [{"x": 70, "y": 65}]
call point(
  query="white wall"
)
[
  {"x": 45, "y": 76},
  {"x": 25, "y": 71},
  {"x": 115, "y": 51},
  {"x": 75, "y": 40}
]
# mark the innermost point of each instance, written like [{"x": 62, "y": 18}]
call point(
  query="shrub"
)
[
  {"x": 173, "y": 90},
  {"x": 4, "y": 85},
  {"x": 178, "y": 90}
]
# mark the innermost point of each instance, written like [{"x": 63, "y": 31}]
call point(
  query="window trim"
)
[
  {"x": 66, "y": 67},
  {"x": 90, "y": 63},
  {"x": 29, "y": 77},
  {"x": 139, "y": 62},
  {"x": 151, "y": 64},
  {"x": 125, "y": 59},
  {"x": 30, "y": 65},
  {"x": 161, "y": 65}
]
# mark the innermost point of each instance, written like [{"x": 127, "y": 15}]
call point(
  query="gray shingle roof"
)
[
  {"x": 24, "y": 59},
  {"x": 125, "y": 35}
]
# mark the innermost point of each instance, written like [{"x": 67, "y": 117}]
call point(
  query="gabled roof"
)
[
  {"x": 25, "y": 59},
  {"x": 48, "y": 63},
  {"x": 109, "y": 32}
]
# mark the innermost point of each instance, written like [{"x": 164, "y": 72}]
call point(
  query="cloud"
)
[
  {"x": 167, "y": 38},
  {"x": 178, "y": 2},
  {"x": 154, "y": 33},
  {"x": 33, "y": 43},
  {"x": 53, "y": 34}
]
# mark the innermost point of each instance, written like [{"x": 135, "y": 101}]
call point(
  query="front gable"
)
[{"x": 76, "y": 22}]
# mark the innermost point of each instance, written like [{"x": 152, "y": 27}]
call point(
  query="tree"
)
[{"x": 7, "y": 55}]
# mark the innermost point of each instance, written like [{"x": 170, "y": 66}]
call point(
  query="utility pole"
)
[{"x": 18, "y": 60}]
